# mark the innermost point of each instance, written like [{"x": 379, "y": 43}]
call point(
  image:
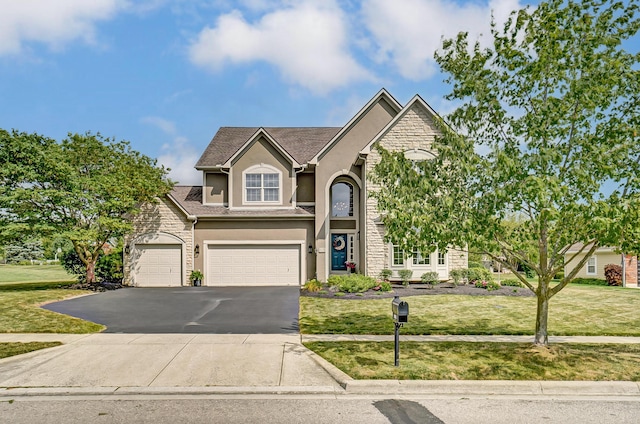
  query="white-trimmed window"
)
[
  {"x": 442, "y": 258},
  {"x": 591, "y": 266},
  {"x": 341, "y": 200},
  {"x": 420, "y": 259},
  {"x": 397, "y": 256},
  {"x": 262, "y": 184}
]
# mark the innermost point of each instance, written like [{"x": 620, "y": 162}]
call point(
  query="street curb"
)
[
  {"x": 342, "y": 378},
  {"x": 9, "y": 392}
]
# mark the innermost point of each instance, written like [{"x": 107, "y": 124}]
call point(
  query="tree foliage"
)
[
  {"x": 546, "y": 131},
  {"x": 85, "y": 188}
]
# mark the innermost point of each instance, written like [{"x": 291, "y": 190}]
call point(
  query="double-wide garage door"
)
[
  {"x": 158, "y": 265},
  {"x": 262, "y": 265}
]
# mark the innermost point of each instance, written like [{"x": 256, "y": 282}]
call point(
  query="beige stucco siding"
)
[
  {"x": 160, "y": 218},
  {"x": 261, "y": 152},
  {"x": 305, "y": 192},
  {"x": 216, "y": 190},
  {"x": 264, "y": 231},
  {"x": 339, "y": 160},
  {"x": 602, "y": 259}
]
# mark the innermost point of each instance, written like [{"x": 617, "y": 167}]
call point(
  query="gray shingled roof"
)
[
  {"x": 189, "y": 198},
  {"x": 301, "y": 143}
]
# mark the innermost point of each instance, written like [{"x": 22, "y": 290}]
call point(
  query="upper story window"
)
[
  {"x": 262, "y": 184},
  {"x": 341, "y": 200}
]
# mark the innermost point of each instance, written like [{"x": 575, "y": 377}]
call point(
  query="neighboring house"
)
[
  {"x": 280, "y": 206},
  {"x": 603, "y": 256}
]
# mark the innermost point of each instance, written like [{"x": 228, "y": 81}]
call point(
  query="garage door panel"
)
[
  {"x": 158, "y": 265},
  {"x": 253, "y": 265}
]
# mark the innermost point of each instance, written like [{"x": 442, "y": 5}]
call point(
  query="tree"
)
[
  {"x": 24, "y": 251},
  {"x": 85, "y": 188},
  {"x": 546, "y": 130}
]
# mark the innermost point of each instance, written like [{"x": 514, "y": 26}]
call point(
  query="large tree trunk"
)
[
  {"x": 91, "y": 271},
  {"x": 542, "y": 315}
]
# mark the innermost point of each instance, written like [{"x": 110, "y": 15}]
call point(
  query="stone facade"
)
[
  {"x": 414, "y": 130},
  {"x": 631, "y": 273},
  {"x": 162, "y": 217}
]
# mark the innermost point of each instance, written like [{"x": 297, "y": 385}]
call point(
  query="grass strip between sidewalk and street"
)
[
  {"x": 576, "y": 310},
  {"x": 483, "y": 361},
  {"x": 17, "y": 348}
]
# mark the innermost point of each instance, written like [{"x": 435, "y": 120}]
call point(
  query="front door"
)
[{"x": 339, "y": 251}]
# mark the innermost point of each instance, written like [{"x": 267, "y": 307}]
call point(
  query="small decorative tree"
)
[
  {"x": 405, "y": 276},
  {"x": 385, "y": 274},
  {"x": 613, "y": 274}
]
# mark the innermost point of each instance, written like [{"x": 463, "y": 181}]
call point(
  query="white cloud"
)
[
  {"x": 307, "y": 42},
  {"x": 408, "y": 33},
  {"x": 177, "y": 154},
  {"x": 53, "y": 23}
]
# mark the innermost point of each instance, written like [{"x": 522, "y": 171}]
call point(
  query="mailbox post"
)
[{"x": 400, "y": 310}]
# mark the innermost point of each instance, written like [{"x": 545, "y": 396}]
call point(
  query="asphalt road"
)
[
  {"x": 209, "y": 310},
  {"x": 318, "y": 410}
]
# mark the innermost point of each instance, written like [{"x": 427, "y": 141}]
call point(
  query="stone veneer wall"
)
[
  {"x": 414, "y": 130},
  {"x": 631, "y": 271},
  {"x": 161, "y": 217}
]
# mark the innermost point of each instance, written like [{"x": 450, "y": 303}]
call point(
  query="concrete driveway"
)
[{"x": 204, "y": 310}]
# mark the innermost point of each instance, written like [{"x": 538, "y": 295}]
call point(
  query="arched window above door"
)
[{"x": 341, "y": 200}]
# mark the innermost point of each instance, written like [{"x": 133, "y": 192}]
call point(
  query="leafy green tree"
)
[
  {"x": 85, "y": 188},
  {"x": 546, "y": 129},
  {"x": 27, "y": 250}
]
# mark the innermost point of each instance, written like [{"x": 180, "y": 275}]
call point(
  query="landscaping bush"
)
[
  {"x": 590, "y": 281},
  {"x": 473, "y": 264},
  {"x": 385, "y": 274},
  {"x": 429, "y": 278},
  {"x": 385, "y": 286},
  {"x": 405, "y": 276},
  {"x": 458, "y": 275},
  {"x": 613, "y": 274},
  {"x": 511, "y": 282},
  {"x": 559, "y": 275},
  {"x": 352, "y": 283},
  {"x": 108, "y": 267},
  {"x": 488, "y": 285},
  {"x": 313, "y": 285},
  {"x": 479, "y": 274}
]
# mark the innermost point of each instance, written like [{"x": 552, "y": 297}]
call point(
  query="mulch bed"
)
[{"x": 424, "y": 290}]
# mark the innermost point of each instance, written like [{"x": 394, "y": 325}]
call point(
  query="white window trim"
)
[
  {"x": 261, "y": 169},
  {"x": 595, "y": 266},
  {"x": 391, "y": 257}
]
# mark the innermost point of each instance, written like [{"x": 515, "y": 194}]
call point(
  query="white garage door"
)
[
  {"x": 272, "y": 265},
  {"x": 158, "y": 265}
]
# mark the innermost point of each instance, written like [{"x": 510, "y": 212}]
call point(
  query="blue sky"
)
[{"x": 166, "y": 74}]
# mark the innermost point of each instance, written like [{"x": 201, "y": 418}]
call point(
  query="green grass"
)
[
  {"x": 12, "y": 349},
  {"x": 33, "y": 274},
  {"x": 576, "y": 310},
  {"x": 483, "y": 361},
  {"x": 20, "y": 310}
]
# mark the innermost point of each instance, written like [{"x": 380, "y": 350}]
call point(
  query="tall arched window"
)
[{"x": 341, "y": 200}]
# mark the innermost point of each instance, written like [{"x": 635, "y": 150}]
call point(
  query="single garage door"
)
[
  {"x": 158, "y": 265},
  {"x": 268, "y": 265}
]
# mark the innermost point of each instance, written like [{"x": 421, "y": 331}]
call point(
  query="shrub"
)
[
  {"x": 458, "y": 275},
  {"x": 512, "y": 282},
  {"x": 405, "y": 276},
  {"x": 613, "y": 274},
  {"x": 479, "y": 274},
  {"x": 473, "y": 264},
  {"x": 352, "y": 283},
  {"x": 313, "y": 285},
  {"x": 108, "y": 267},
  {"x": 559, "y": 275},
  {"x": 488, "y": 285},
  {"x": 385, "y": 274},
  {"x": 590, "y": 281},
  {"x": 385, "y": 286},
  {"x": 429, "y": 278}
]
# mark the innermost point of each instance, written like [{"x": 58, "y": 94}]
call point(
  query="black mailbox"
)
[{"x": 400, "y": 310}]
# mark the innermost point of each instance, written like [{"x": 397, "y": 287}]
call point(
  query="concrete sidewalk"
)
[{"x": 210, "y": 364}]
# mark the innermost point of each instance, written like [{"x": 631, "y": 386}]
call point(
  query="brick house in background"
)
[{"x": 279, "y": 206}]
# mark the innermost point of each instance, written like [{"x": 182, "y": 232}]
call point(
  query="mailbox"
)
[{"x": 400, "y": 310}]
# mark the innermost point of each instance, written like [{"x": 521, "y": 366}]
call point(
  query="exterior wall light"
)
[{"x": 197, "y": 249}]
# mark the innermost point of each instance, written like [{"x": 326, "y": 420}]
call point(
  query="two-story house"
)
[{"x": 279, "y": 206}]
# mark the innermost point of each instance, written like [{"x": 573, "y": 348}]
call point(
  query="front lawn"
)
[
  {"x": 484, "y": 361},
  {"x": 20, "y": 311},
  {"x": 33, "y": 273},
  {"x": 576, "y": 310},
  {"x": 12, "y": 349}
]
